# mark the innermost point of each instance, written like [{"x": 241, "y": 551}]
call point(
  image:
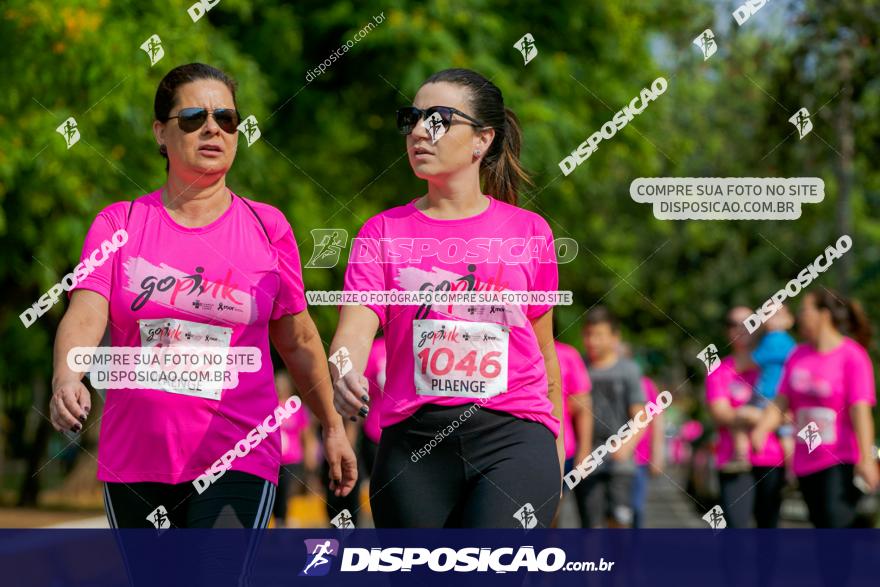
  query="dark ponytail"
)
[
  {"x": 847, "y": 316},
  {"x": 166, "y": 93},
  {"x": 500, "y": 168},
  {"x": 859, "y": 325}
]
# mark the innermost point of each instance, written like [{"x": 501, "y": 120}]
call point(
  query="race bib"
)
[
  {"x": 174, "y": 332},
  {"x": 825, "y": 419},
  {"x": 460, "y": 359}
]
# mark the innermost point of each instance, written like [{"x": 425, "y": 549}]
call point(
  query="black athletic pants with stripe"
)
[
  {"x": 465, "y": 467},
  {"x": 235, "y": 500}
]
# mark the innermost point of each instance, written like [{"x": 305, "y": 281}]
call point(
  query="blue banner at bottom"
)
[{"x": 265, "y": 558}]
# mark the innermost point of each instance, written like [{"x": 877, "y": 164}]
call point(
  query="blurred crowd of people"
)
[{"x": 782, "y": 416}]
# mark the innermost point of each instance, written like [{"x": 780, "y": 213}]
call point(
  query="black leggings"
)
[
  {"x": 486, "y": 469},
  {"x": 757, "y": 493},
  {"x": 291, "y": 478},
  {"x": 831, "y": 496},
  {"x": 235, "y": 500}
]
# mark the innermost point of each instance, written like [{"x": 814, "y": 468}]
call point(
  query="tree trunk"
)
[{"x": 843, "y": 169}]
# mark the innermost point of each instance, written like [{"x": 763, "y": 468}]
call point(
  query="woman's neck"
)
[
  {"x": 195, "y": 204},
  {"x": 454, "y": 198},
  {"x": 742, "y": 359},
  {"x": 827, "y": 339}
]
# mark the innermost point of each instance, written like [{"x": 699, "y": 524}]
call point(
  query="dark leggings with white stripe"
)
[
  {"x": 486, "y": 469},
  {"x": 235, "y": 500}
]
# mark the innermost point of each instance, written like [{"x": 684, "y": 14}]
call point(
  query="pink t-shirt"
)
[
  {"x": 375, "y": 374},
  {"x": 821, "y": 388},
  {"x": 643, "y": 448},
  {"x": 225, "y": 277},
  {"x": 575, "y": 381},
  {"x": 291, "y": 443},
  {"x": 726, "y": 383},
  {"x": 453, "y": 355}
]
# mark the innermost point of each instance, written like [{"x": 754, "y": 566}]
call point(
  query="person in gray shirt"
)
[{"x": 603, "y": 497}]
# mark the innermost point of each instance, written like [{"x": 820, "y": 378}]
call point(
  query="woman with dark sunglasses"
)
[
  {"x": 200, "y": 265},
  {"x": 472, "y": 404}
]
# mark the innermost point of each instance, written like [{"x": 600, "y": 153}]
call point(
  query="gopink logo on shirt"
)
[
  {"x": 437, "y": 279},
  {"x": 192, "y": 293},
  {"x": 803, "y": 382}
]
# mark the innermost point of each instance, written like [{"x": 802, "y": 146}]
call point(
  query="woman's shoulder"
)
[
  {"x": 522, "y": 216},
  {"x": 854, "y": 351},
  {"x": 798, "y": 350},
  {"x": 726, "y": 368},
  {"x": 117, "y": 213},
  {"x": 265, "y": 210},
  {"x": 380, "y": 221},
  {"x": 270, "y": 216},
  {"x": 116, "y": 210}
]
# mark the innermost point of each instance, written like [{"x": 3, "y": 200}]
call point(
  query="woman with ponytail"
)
[
  {"x": 828, "y": 384},
  {"x": 472, "y": 404}
]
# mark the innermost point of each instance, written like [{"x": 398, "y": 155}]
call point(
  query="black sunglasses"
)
[
  {"x": 408, "y": 117},
  {"x": 192, "y": 119}
]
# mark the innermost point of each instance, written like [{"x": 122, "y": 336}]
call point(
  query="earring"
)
[
  {"x": 163, "y": 149},
  {"x": 477, "y": 152}
]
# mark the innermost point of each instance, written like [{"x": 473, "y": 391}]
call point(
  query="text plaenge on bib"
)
[{"x": 460, "y": 359}]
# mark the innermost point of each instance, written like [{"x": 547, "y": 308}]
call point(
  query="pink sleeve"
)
[
  {"x": 860, "y": 379},
  {"x": 716, "y": 385},
  {"x": 291, "y": 298},
  {"x": 302, "y": 418},
  {"x": 546, "y": 272},
  {"x": 297, "y": 421},
  {"x": 650, "y": 389},
  {"x": 564, "y": 370},
  {"x": 371, "y": 369},
  {"x": 108, "y": 221},
  {"x": 580, "y": 377},
  {"x": 368, "y": 276}
]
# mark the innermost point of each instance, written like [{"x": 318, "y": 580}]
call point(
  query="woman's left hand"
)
[
  {"x": 340, "y": 457},
  {"x": 867, "y": 470}
]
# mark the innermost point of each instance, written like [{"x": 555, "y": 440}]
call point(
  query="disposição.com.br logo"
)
[{"x": 320, "y": 553}]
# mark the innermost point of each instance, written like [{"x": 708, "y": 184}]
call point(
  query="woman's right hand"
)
[
  {"x": 69, "y": 406},
  {"x": 351, "y": 395},
  {"x": 83, "y": 325}
]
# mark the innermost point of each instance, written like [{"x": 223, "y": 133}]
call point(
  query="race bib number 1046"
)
[{"x": 460, "y": 359}]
